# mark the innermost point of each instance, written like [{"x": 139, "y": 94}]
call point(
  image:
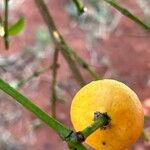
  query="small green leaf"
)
[{"x": 17, "y": 27}]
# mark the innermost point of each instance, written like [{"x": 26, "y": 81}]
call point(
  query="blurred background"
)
[{"x": 111, "y": 43}]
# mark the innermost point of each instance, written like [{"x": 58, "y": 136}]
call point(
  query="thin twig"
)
[
  {"x": 69, "y": 54},
  {"x": 53, "y": 87},
  {"x": 1, "y": 20},
  {"x": 58, "y": 40},
  {"x": 6, "y": 40},
  {"x": 80, "y": 6},
  {"x": 33, "y": 75},
  {"x": 127, "y": 13},
  {"x": 86, "y": 66}
]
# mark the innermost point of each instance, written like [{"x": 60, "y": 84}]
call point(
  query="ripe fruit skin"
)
[{"x": 122, "y": 106}]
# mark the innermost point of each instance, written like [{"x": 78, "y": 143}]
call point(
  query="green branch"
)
[
  {"x": 127, "y": 13},
  {"x": 28, "y": 104},
  {"x": 63, "y": 131},
  {"x": 6, "y": 40}
]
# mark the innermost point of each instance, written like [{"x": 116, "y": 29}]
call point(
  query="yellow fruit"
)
[{"x": 122, "y": 106}]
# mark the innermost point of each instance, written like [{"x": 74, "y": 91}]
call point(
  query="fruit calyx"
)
[{"x": 107, "y": 119}]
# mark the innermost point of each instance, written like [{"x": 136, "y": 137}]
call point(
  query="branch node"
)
[
  {"x": 78, "y": 136},
  {"x": 56, "y": 35}
]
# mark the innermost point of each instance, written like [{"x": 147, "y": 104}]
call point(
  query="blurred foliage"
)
[
  {"x": 97, "y": 11},
  {"x": 42, "y": 36},
  {"x": 12, "y": 4},
  {"x": 7, "y": 142},
  {"x": 145, "y": 7},
  {"x": 99, "y": 21}
]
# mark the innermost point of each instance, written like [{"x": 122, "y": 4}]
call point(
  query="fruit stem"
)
[{"x": 102, "y": 121}]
